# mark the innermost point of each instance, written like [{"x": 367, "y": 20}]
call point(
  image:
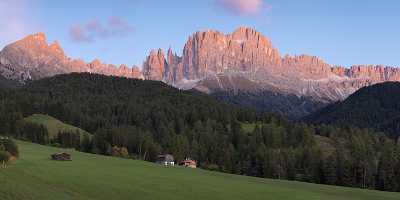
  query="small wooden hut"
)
[{"x": 61, "y": 156}]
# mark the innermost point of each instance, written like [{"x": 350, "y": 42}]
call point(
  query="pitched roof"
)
[{"x": 165, "y": 157}]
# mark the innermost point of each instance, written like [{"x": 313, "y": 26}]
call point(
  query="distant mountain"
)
[
  {"x": 245, "y": 67},
  {"x": 242, "y": 67},
  {"x": 33, "y": 58},
  {"x": 376, "y": 106}
]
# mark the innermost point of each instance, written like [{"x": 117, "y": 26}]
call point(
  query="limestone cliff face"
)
[
  {"x": 213, "y": 61},
  {"x": 33, "y": 58},
  {"x": 214, "y": 52},
  {"x": 155, "y": 65}
]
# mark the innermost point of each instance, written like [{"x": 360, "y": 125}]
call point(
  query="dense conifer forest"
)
[
  {"x": 376, "y": 106},
  {"x": 141, "y": 119}
]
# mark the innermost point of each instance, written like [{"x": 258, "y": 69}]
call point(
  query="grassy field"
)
[
  {"x": 53, "y": 125},
  {"x": 88, "y": 176}
]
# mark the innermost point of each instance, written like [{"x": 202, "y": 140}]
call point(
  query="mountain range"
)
[{"x": 242, "y": 67}]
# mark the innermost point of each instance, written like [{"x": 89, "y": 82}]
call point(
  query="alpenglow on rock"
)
[
  {"x": 32, "y": 58},
  {"x": 242, "y": 67},
  {"x": 245, "y": 60}
]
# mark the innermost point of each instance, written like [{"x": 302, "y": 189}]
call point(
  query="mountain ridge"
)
[
  {"x": 32, "y": 58},
  {"x": 244, "y": 61}
]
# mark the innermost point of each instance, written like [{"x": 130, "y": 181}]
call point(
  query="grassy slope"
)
[
  {"x": 89, "y": 176},
  {"x": 53, "y": 125}
]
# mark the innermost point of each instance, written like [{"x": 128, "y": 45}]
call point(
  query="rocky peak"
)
[
  {"x": 306, "y": 66},
  {"x": 40, "y": 36},
  {"x": 34, "y": 41},
  {"x": 95, "y": 62},
  {"x": 154, "y": 66},
  {"x": 244, "y": 31},
  {"x": 136, "y": 72},
  {"x": 123, "y": 67},
  {"x": 243, "y": 34},
  {"x": 212, "y": 51},
  {"x": 33, "y": 46},
  {"x": 55, "y": 46},
  {"x": 33, "y": 58},
  {"x": 170, "y": 56}
]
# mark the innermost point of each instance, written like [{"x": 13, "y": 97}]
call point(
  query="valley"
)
[{"x": 215, "y": 99}]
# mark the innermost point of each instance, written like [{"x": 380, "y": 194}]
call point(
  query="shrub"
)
[
  {"x": 4, "y": 158},
  {"x": 120, "y": 152},
  {"x": 211, "y": 167},
  {"x": 10, "y": 147}
]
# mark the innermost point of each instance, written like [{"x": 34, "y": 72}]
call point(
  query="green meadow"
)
[
  {"x": 89, "y": 176},
  {"x": 53, "y": 125}
]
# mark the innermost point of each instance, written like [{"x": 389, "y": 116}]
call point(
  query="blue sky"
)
[{"x": 341, "y": 32}]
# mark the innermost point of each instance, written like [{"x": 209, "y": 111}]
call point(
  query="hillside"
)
[
  {"x": 53, "y": 125},
  {"x": 148, "y": 118},
  {"x": 376, "y": 106},
  {"x": 90, "y": 101},
  {"x": 91, "y": 176}
]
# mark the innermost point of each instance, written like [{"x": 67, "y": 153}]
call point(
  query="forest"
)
[
  {"x": 376, "y": 106},
  {"x": 141, "y": 119}
]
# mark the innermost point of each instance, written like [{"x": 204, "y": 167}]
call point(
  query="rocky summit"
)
[
  {"x": 242, "y": 67},
  {"x": 33, "y": 58},
  {"x": 244, "y": 64}
]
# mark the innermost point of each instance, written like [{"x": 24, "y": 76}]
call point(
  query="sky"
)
[{"x": 341, "y": 32}]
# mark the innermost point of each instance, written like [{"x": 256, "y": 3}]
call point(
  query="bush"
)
[
  {"x": 120, "y": 152},
  {"x": 211, "y": 167},
  {"x": 4, "y": 158},
  {"x": 10, "y": 147}
]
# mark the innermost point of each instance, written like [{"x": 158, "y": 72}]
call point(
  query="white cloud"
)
[
  {"x": 94, "y": 29},
  {"x": 241, "y": 7}
]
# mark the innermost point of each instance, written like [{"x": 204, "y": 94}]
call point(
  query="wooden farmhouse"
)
[
  {"x": 166, "y": 160},
  {"x": 188, "y": 163}
]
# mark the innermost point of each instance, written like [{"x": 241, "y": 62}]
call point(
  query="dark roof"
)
[
  {"x": 59, "y": 154},
  {"x": 165, "y": 158}
]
